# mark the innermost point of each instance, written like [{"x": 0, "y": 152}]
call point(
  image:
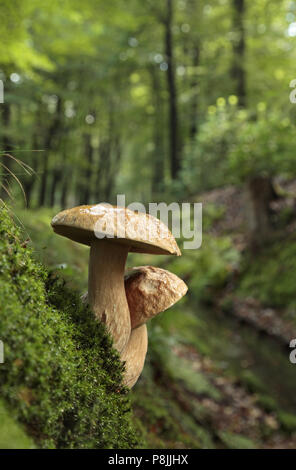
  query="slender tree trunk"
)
[
  {"x": 86, "y": 177},
  {"x": 29, "y": 181},
  {"x": 239, "y": 50},
  {"x": 108, "y": 168},
  {"x": 158, "y": 169},
  {"x": 104, "y": 152},
  {"x": 259, "y": 189},
  {"x": 171, "y": 81},
  {"x": 194, "y": 88},
  {"x": 7, "y": 147},
  {"x": 259, "y": 192},
  {"x": 53, "y": 130}
]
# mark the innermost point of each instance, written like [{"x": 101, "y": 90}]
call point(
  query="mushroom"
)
[
  {"x": 134, "y": 355},
  {"x": 149, "y": 291},
  {"x": 111, "y": 232}
]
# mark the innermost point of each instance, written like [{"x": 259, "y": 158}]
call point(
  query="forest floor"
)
[
  {"x": 218, "y": 372},
  {"x": 240, "y": 320}
]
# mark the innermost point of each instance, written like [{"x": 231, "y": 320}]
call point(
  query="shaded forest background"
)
[{"x": 177, "y": 100}]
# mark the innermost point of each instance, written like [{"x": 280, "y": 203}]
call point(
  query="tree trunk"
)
[
  {"x": 109, "y": 156},
  {"x": 85, "y": 188},
  {"x": 30, "y": 180},
  {"x": 113, "y": 170},
  {"x": 259, "y": 192},
  {"x": 7, "y": 147},
  {"x": 174, "y": 143},
  {"x": 65, "y": 187},
  {"x": 239, "y": 49},
  {"x": 52, "y": 131},
  {"x": 56, "y": 178}
]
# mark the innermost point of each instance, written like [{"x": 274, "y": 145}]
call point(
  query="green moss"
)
[
  {"x": 155, "y": 410},
  {"x": 207, "y": 269},
  {"x": 61, "y": 375},
  {"x": 288, "y": 421},
  {"x": 234, "y": 441},
  {"x": 252, "y": 381},
  {"x": 12, "y": 435},
  {"x": 267, "y": 402},
  {"x": 179, "y": 369},
  {"x": 212, "y": 213},
  {"x": 60, "y": 253}
]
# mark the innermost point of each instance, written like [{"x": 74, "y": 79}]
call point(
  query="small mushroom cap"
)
[
  {"x": 142, "y": 232},
  {"x": 151, "y": 290}
]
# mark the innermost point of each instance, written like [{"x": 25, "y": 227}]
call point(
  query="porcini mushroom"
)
[
  {"x": 111, "y": 232},
  {"x": 149, "y": 291}
]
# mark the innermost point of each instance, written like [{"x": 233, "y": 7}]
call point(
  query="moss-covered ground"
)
[{"x": 61, "y": 377}]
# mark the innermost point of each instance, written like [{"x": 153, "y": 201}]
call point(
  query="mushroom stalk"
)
[
  {"x": 106, "y": 290},
  {"x": 134, "y": 355}
]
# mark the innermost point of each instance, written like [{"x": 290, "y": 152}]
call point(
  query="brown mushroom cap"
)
[
  {"x": 142, "y": 232},
  {"x": 151, "y": 290}
]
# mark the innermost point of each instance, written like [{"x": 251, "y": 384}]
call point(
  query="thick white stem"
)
[
  {"x": 134, "y": 355},
  {"x": 106, "y": 289}
]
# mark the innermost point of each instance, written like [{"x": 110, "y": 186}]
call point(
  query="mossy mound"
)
[{"x": 61, "y": 375}]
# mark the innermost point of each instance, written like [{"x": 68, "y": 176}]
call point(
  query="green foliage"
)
[
  {"x": 106, "y": 66},
  {"x": 179, "y": 369},
  {"x": 61, "y": 375},
  {"x": 263, "y": 145},
  {"x": 268, "y": 403},
  {"x": 270, "y": 276},
  {"x": 206, "y": 163},
  {"x": 234, "y": 441}
]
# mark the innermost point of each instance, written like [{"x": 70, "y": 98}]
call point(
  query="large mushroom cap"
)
[
  {"x": 151, "y": 290},
  {"x": 142, "y": 232}
]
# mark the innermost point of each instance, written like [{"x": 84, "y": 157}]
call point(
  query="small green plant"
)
[
  {"x": 270, "y": 277},
  {"x": 234, "y": 145},
  {"x": 12, "y": 434}
]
